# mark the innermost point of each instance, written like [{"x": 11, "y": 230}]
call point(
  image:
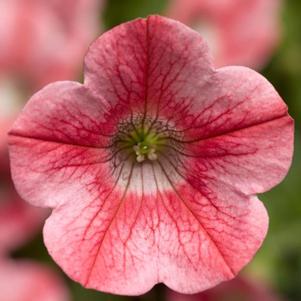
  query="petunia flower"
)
[
  {"x": 29, "y": 281},
  {"x": 238, "y": 32},
  {"x": 238, "y": 289},
  {"x": 44, "y": 40},
  {"x": 152, "y": 165}
]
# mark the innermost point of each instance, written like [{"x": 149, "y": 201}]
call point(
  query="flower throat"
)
[{"x": 143, "y": 139}]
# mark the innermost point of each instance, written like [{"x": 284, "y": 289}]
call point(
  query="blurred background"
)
[{"x": 45, "y": 40}]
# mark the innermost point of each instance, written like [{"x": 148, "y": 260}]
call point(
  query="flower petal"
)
[
  {"x": 58, "y": 132},
  {"x": 173, "y": 235},
  {"x": 241, "y": 133},
  {"x": 142, "y": 62}
]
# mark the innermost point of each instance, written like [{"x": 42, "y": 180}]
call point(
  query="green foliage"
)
[
  {"x": 119, "y": 11},
  {"x": 284, "y": 71}
]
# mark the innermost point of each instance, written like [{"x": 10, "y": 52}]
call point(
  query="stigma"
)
[{"x": 144, "y": 151}]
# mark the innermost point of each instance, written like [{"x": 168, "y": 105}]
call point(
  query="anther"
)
[{"x": 152, "y": 155}]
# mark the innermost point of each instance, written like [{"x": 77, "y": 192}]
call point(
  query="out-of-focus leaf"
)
[
  {"x": 284, "y": 71},
  {"x": 117, "y": 11},
  {"x": 280, "y": 257}
]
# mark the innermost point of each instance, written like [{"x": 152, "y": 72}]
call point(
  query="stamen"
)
[
  {"x": 140, "y": 158},
  {"x": 152, "y": 155}
]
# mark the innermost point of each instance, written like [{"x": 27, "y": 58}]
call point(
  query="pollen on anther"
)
[
  {"x": 152, "y": 155},
  {"x": 140, "y": 158}
]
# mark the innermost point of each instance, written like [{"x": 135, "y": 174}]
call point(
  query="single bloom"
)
[
  {"x": 241, "y": 288},
  {"x": 29, "y": 281},
  {"x": 238, "y": 32},
  {"x": 152, "y": 165},
  {"x": 45, "y": 40}
]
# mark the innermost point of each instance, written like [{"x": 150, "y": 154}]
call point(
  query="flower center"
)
[
  {"x": 142, "y": 139},
  {"x": 143, "y": 142},
  {"x": 145, "y": 149}
]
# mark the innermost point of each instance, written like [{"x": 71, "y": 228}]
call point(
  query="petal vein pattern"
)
[{"x": 152, "y": 165}]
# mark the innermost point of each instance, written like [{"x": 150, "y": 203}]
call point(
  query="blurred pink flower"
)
[
  {"x": 19, "y": 221},
  {"x": 238, "y": 289},
  {"x": 4, "y": 124},
  {"x": 29, "y": 281},
  {"x": 238, "y": 32},
  {"x": 45, "y": 40},
  {"x": 152, "y": 165},
  {"x": 10, "y": 105}
]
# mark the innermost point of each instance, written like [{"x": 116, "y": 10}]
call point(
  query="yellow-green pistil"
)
[{"x": 143, "y": 143}]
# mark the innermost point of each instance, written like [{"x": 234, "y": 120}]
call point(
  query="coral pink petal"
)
[
  {"x": 146, "y": 62},
  {"x": 190, "y": 218},
  {"x": 59, "y": 128},
  {"x": 173, "y": 235},
  {"x": 241, "y": 133},
  {"x": 28, "y": 281}
]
